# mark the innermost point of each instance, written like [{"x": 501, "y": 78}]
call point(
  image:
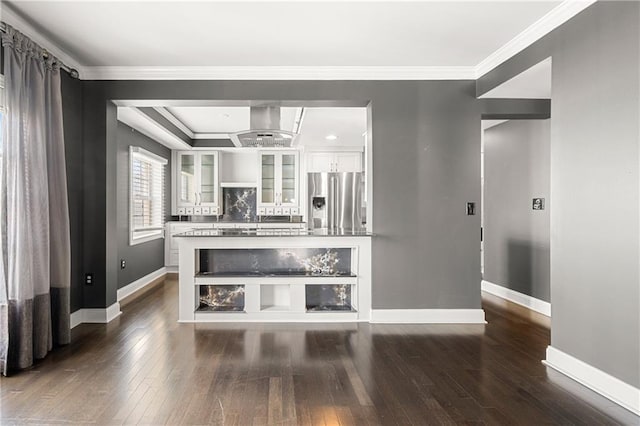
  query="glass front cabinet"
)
[
  {"x": 279, "y": 182},
  {"x": 195, "y": 186}
]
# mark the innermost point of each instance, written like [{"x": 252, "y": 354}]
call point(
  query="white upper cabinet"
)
[
  {"x": 320, "y": 162},
  {"x": 341, "y": 161},
  {"x": 195, "y": 181},
  {"x": 279, "y": 182},
  {"x": 348, "y": 161}
]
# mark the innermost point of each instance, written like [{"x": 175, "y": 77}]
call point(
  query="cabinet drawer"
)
[
  {"x": 245, "y": 225},
  {"x": 224, "y": 225},
  {"x": 281, "y": 225}
]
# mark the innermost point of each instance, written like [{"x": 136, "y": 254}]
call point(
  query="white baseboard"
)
[
  {"x": 105, "y": 315},
  {"x": 521, "y": 299},
  {"x": 428, "y": 316},
  {"x": 597, "y": 380},
  {"x": 76, "y": 318},
  {"x": 140, "y": 283},
  {"x": 95, "y": 315}
]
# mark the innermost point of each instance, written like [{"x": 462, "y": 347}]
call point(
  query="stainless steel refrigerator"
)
[{"x": 335, "y": 201}]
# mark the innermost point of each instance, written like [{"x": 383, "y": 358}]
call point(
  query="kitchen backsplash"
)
[{"x": 240, "y": 204}]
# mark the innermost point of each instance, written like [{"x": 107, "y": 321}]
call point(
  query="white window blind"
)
[
  {"x": 146, "y": 207},
  {"x": 2, "y": 93}
]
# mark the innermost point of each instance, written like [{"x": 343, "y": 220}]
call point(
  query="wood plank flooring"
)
[{"x": 145, "y": 368}]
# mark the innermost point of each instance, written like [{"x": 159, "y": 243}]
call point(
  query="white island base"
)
[{"x": 286, "y": 277}]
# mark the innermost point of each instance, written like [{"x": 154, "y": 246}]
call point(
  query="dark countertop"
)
[
  {"x": 273, "y": 233},
  {"x": 265, "y": 219}
]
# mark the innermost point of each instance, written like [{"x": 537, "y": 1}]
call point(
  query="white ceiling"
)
[
  {"x": 347, "y": 124},
  {"x": 487, "y": 124},
  {"x": 266, "y": 33},
  {"x": 533, "y": 83},
  {"x": 207, "y": 119}
]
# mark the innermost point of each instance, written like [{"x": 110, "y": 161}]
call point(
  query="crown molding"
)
[
  {"x": 141, "y": 122},
  {"x": 280, "y": 73},
  {"x": 543, "y": 26},
  {"x": 163, "y": 111},
  {"x": 556, "y": 17},
  {"x": 197, "y": 136},
  {"x": 18, "y": 22}
]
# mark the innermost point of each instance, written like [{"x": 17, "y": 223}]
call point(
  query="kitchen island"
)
[{"x": 274, "y": 275}]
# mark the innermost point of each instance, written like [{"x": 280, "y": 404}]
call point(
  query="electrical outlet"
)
[
  {"x": 123, "y": 263},
  {"x": 471, "y": 209},
  {"x": 88, "y": 279},
  {"x": 538, "y": 204}
]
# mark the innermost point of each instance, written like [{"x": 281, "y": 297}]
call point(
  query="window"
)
[{"x": 146, "y": 206}]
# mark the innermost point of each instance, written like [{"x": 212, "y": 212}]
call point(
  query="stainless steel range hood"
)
[{"x": 265, "y": 130}]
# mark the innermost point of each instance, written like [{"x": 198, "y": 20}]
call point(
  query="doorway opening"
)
[{"x": 515, "y": 185}]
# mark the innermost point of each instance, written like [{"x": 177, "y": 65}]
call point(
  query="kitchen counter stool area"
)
[{"x": 292, "y": 277}]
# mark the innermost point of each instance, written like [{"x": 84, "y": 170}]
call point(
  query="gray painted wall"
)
[
  {"x": 72, "y": 117},
  {"x": 96, "y": 203},
  {"x": 141, "y": 259},
  {"x": 516, "y": 237},
  {"x": 595, "y": 147},
  {"x": 426, "y": 159}
]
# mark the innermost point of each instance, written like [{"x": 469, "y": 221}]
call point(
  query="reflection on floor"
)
[{"x": 145, "y": 368}]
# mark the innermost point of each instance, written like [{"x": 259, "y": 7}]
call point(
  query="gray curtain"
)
[{"x": 34, "y": 215}]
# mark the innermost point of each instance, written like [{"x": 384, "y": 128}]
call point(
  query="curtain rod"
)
[{"x": 71, "y": 71}]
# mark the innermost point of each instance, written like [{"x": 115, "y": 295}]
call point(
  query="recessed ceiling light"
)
[{"x": 331, "y": 137}]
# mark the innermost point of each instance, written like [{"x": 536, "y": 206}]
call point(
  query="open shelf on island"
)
[
  {"x": 221, "y": 298},
  {"x": 221, "y": 309},
  {"x": 329, "y": 298},
  {"x": 272, "y": 262},
  {"x": 330, "y": 308},
  {"x": 257, "y": 274},
  {"x": 200, "y": 280},
  {"x": 275, "y": 297}
]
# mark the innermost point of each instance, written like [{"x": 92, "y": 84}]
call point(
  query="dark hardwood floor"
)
[{"x": 145, "y": 368}]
